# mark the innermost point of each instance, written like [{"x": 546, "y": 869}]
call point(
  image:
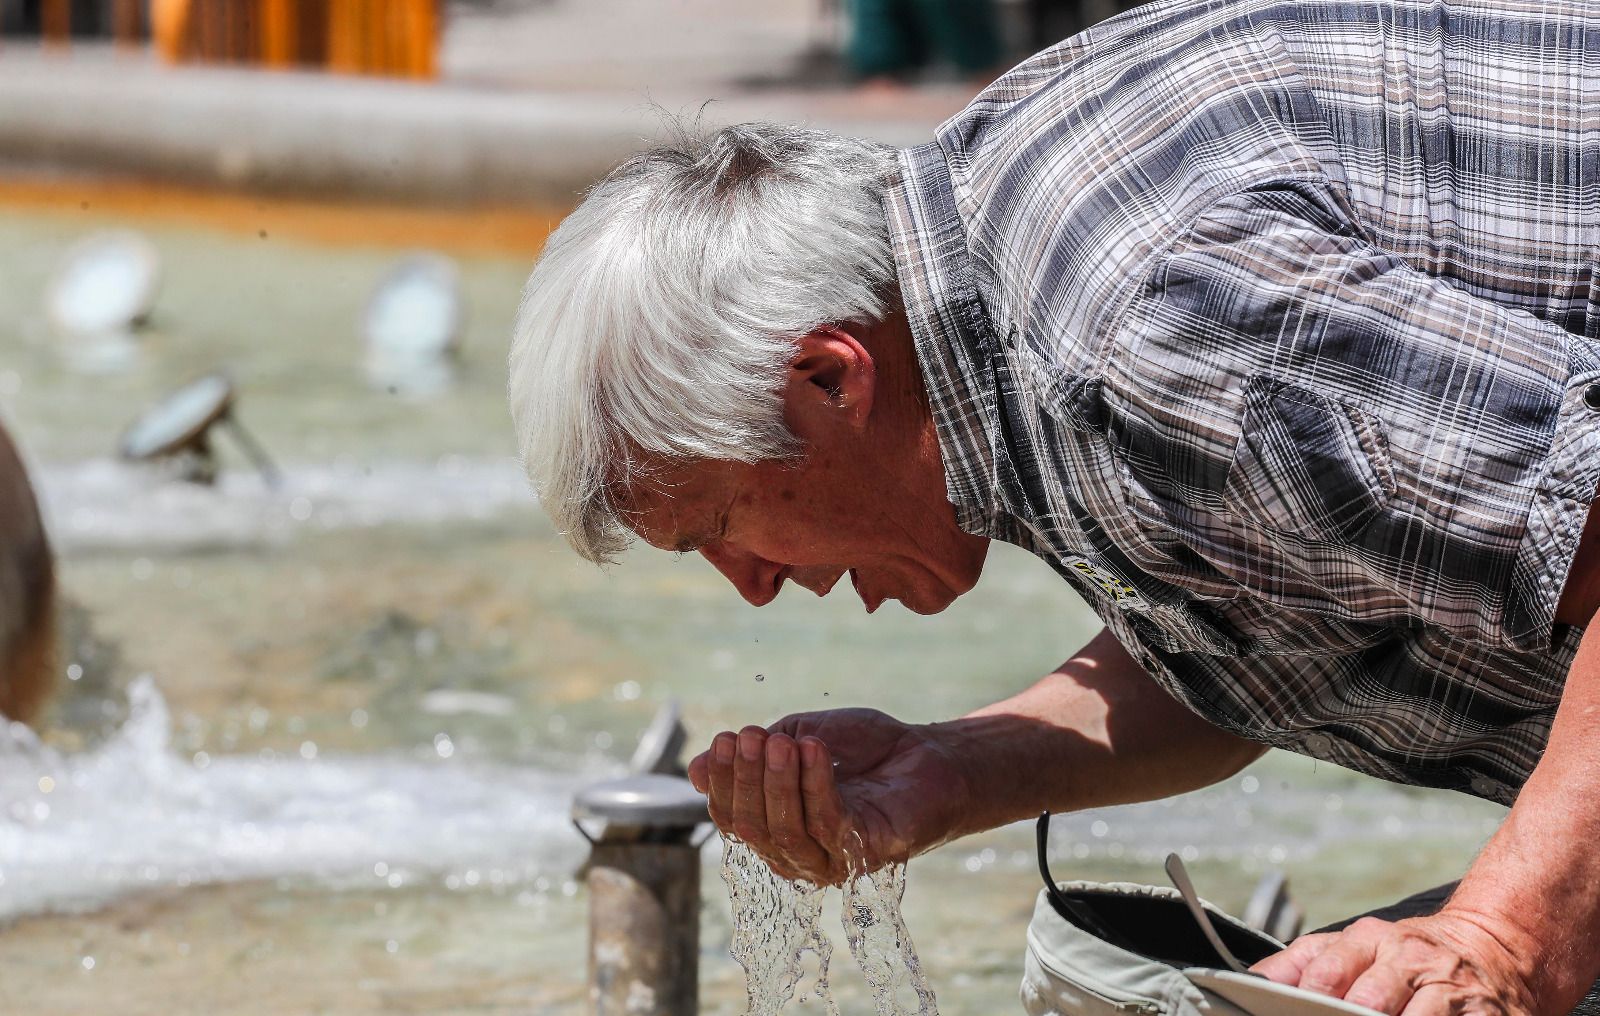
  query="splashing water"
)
[
  {"x": 880, "y": 943},
  {"x": 776, "y": 921},
  {"x": 80, "y": 828}
]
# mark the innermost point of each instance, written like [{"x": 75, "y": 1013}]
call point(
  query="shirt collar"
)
[{"x": 950, "y": 329}]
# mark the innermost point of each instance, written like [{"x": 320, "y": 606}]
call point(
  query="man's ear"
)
[{"x": 831, "y": 380}]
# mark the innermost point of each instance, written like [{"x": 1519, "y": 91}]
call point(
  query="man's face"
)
[{"x": 814, "y": 522}]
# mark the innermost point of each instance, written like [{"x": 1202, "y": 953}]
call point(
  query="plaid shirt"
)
[{"x": 1272, "y": 327}]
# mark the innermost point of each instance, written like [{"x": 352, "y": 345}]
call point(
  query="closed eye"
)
[{"x": 694, "y": 544}]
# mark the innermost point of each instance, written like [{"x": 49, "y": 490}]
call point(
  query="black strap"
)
[{"x": 1074, "y": 913}]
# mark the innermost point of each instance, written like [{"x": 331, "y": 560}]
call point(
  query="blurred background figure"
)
[
  {"x": 27, "y": 594},
  {"x": 58, "y": 20},
  {"x": 1050, "y": 21},
  {"x": 890, "y": 40}
]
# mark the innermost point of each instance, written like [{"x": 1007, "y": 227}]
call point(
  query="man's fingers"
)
[
  {"x": 1286, "y": 967},
  {"x": 724, "y": 748},
  {"x": 1381, "y": 987},
  {"x": 819, "y": 793},
  {"x": 700, "y": 772},
  {"x": 786, "y": 823},
  {"x": 749, "y": 797},
  {"x": 1346, "y": 958}
]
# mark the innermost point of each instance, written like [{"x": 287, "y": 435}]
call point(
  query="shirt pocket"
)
[
  {"x": 1308, "y": 465},
  {"x": 1132, "y": 516}
]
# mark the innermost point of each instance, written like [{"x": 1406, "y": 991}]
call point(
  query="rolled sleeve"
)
[
  {"x": 1342, "y": 434},
  {"x": 1560, "y": 508}
]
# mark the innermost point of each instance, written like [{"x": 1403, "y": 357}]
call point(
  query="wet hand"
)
[
  {"x": 1424, "y": 966},
  {"x": 819, "y": 795}
]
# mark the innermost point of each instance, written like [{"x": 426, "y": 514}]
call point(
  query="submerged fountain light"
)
[
  {"x": 104, "y": 289},
  {"x": 106, "y": 283},
  {"x": 176, "y": 431},
  {"x": 412, "y": 325}
]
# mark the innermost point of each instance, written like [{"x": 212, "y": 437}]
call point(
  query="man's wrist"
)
[
  {"x": 990, "y": 774},
  {"x": 1540, "y": 957}
]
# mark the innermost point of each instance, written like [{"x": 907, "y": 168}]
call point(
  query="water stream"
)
[
  {"x": 777, "y": 921},
  {"x": 881, "y": 944}
]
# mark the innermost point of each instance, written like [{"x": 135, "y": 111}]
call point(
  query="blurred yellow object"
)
[
  {"x": 279, "y": 27},
  {"x": 169, "y": 25},
  {"x": 393, "y": 37}
]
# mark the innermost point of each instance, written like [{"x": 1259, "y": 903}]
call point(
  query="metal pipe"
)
[
  {"x": 644, "y": 929},
  {"x": 643, "y": 876},
  {"x": 254, "y": 452}
]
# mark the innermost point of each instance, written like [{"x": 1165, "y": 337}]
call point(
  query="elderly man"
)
[{"x": 1269, "y": 326}]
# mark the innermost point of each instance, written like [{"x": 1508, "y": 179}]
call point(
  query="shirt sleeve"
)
[{"x": 1340, "y": 433}]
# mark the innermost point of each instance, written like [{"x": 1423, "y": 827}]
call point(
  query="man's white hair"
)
[{"x": 658, "y": 322}]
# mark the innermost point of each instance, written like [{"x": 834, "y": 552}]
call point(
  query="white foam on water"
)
[
  {"x": 79, "y": 829},
  {"x": 105, "y": 504}
]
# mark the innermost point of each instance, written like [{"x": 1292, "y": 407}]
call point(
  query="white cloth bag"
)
[{"x": 1069, "y": 972}]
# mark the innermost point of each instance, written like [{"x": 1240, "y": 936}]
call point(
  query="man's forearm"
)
[
  {"x": 1538, "y": 880},
  {"x": 1097, "y": 731}
]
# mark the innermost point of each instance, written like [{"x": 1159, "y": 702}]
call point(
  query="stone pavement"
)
[{"x": 536, "y": 98}]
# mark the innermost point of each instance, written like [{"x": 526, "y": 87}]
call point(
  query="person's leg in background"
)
[
  {"x": 966, "y": 33},
  {"x": 886, "y": 41}
]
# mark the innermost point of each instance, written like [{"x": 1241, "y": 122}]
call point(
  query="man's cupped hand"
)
[
  {"x": 1446, "y": 963},
  {"x": 823, "y": 796}
]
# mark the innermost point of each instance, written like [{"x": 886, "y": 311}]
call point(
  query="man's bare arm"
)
[
  {"x": 1521, "y": 934},
  {"x": 1096, "y": 731}
]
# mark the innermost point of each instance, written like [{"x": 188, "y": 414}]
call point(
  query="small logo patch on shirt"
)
[{"x": 1121, "y": 592}]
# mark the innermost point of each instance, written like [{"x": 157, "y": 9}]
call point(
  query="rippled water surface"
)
[{"x": 315, "y": 745}]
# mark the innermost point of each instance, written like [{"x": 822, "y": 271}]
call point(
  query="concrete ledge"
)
[{"x": 314, "y": 134}]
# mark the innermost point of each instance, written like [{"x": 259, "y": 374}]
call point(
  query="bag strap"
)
[{"x": 1075, "y": 914}]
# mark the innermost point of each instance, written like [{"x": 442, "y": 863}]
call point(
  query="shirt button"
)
[
  {"x": 1591, "y": 396},
  {"x": 1318, "y": 744}
]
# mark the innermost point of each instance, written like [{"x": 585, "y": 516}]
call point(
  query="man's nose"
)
[{"x": 757, "y": 579}]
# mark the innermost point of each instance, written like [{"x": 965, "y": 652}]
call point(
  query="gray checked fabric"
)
[{"x": 1271, "y": 326}]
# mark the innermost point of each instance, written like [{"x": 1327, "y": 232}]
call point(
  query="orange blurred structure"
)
[
  {"x": 390, "y": 37},
  {"x": 127, "y": 21},
  {"x": 55, "y": 21}
]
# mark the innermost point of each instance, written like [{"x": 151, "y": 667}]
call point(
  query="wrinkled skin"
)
[{"x": 1447, "y": 963}]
